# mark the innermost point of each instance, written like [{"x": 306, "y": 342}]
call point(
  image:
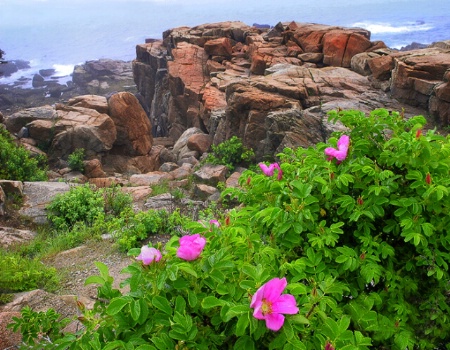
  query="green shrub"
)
[
  {"x": 19, "y": 273},
  {"x": 75, "y": 160},
  {"x": 230, "y": 153},
  {"x": 80, "y": 204},
  {"x": 131, "y": 229},
  {"x": 363, "y": 244},
  {"x": 38, "y": 328},
  {"x": 17, "y": 163},
  {"x": 116, "y": 201}
]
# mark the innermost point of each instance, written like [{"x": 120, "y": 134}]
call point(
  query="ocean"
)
[{"x": 59, "y": 34}]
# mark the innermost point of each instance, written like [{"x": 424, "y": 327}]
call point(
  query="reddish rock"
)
[
  {"x": 211, "y": 174},
  {"x": 272, "y": 88},
  {"x": 93, "y": 168},
  {"x": 79, "y": 127},
  {"x": 233, "y": 180},
  {"x": 133, "y": 127},
  {"x": 149, "y": 179},
  {"x": 199, "y": 143},
  {"x": 258, "y": 66},
  {"x": 219, "y": 47},
  {"x": 99, "y": 103},
  {"x": 203, "y": 191},
  {"x": 381, "y": 67},
  {"x": 340, "y": 46},
  {"x": 8, "y": 338},
  {"x": 18, "y": 120},
  {"x": 102, "y": 182}
]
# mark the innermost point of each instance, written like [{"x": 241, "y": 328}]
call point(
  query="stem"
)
[{"x": 311, "y": 310}]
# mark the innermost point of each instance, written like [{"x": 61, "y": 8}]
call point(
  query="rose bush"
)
[{"x": 361, "y": 246}]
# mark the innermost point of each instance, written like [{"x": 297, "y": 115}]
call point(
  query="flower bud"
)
[
  {"x": 360, "y": 201},
  {"x": 328, "y": 346},
  {"x": 428, "y": 179},
  {"x": 418, "y": 133}
]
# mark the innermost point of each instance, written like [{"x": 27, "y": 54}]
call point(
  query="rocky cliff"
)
[{"x": 272, "y": 87}]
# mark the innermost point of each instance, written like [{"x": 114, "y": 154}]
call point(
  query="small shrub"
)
[
  {"x": 39, "y": 327},
  {"x": 17, "y": 163},
  {"x": 230, "y": 153},
  {"x": 20, "y": 273},
  {"x": 116, "y": 201},
  {"x": 75, "y": 160},
  {"x": 79, "y": 204}
]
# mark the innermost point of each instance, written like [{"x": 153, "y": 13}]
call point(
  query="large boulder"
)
[
  {"x": 18, "y": 120},
  {"x": 37, "y": 195},
  {"x": 80, "y": 127},
  {"x": 134, "y": 137},
  {"x": 99, "y": 103}
]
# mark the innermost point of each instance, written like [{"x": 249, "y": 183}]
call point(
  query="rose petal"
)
[
  {"x": 274, "y": 321},
  {"x": 274, "y": 288},
  {"x": 286, "y": 304}
]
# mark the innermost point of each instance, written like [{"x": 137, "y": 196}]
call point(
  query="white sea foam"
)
[
  {"x": 63, "y": 70},
  {"x": 386, "y": 28}
]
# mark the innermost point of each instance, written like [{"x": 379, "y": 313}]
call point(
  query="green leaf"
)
[
  {"x": 94, "y": 280},
  {"x": 117, "y": 304},
  {"x": 135, "y": 309},
  {"x": 162, "y": 304},
  {"x": 236, "y": 311},
  {"x": 104, "y": 272},
  {"x": 192, "y": 298},
  {"x": 242, "y": 324},
  {"x": 211, "y": 301},
  {"x": 144, "y": 311},
  {"x": 180, "y": 304},
  {"x": 116, "y": 344},
  {"x": 145, "y": 347},
  {"x": 188, "y": 269},
  {"x": 299, "y": 319},
  {"x": 244, "y": 343}
]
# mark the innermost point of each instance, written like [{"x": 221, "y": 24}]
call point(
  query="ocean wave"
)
[
  {"x": 388, "y": 28},
  {"x": 63, "y": 70}
]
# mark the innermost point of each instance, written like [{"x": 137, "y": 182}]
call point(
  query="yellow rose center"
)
[{"x": 266, "y": 307}]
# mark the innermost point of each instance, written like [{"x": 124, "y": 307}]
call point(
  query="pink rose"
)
[
  {"x": 342, "y": 148},
  {"x": 269, "y": 304},
  {"x": 149, "y": 255},
  {"x": 268, "y": 170},
  {"x": 191, "y": 247}
]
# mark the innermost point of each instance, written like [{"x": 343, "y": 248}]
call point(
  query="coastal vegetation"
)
[
  {"x": 343, "y": 245},
  {"x": 17, "y": 163}
]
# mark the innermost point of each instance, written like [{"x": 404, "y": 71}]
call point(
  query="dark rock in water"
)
[
  {"x": 10, "y": 67},
  {"x": 413, "y": 46},
  {"x": 38, "y": 81},
  {"x": 47, "y": 72}
]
